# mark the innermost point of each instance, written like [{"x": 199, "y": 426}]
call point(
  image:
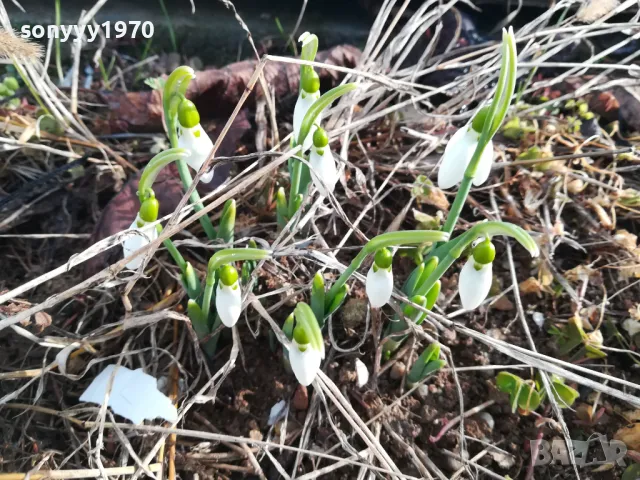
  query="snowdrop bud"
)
[
  {"x": 145, "y": 234},
  {"x": 194, "y": 138},
  {"x": 460, "y": 150},
  {"x": 323, "y": 167},
  {"x": 380, "y": 279},
  {"x": 304, "y": 359},
  {"x": 477, "y": 275},
  {"x": 228, "y": 296}
]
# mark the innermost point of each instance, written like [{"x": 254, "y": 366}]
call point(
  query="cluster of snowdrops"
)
[{"x": 315, "y": 169}]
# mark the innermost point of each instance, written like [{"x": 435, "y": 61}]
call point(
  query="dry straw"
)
[{"x": 12, "y": 46}]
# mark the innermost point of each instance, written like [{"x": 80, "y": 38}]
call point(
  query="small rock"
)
[
  {"x": 453, "y": 464},
  {"x": 496, "y": 333},
  {"x": 538, "y": 319},
  {"x": 362, "y": 373},
  {"x": 255, "y": 435},
  {"x": 422, "y": 392},
  {"x": 449, "y": 336},
  {"x": 398, "y": 370},
  {"x": 590, "y": 128},
  {"x": 354, "y": 313},
  {"x": 487, "y": 418},
  {"x": 301, "y": 398}
]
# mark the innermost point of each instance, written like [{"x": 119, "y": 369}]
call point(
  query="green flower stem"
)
[
  {"x": 206, "y": 296},
  {"x": 57, "y": 44},
  {"x": 173, "y": 251},
  {"x": 318, "y": 106},
  {"x": 390, "y": 239},
  {"x": 495, "y": 117},
  {"x": 460, "y": 200},
  {"x": 155, "y": 165},
  {"x": 485, "y": 229},
  {"x": 296, "y": 175},
  {"x": 230, "y": 255},
  {"x": 174, "y": 90}
]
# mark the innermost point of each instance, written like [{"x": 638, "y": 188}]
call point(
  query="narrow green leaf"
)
[{"x": 319, "y": 105}]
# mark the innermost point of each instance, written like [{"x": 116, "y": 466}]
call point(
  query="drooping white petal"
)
[
  {"x": 484, "y": 165},
  {"x": 134, "y": 395},
  {"x": 457, "y": 156},
  {"x": 228, "y": 303},
  {"x": 323, "y": 167},
  {"x": 136, "y": 240},
  {"x": 305, "y": 365},
  {"x": 631, "y": 326},
  {"x": 304, "y": 102},
  {"x": 200, "y": 145},
  {"x": 379, "y": 286},
  {"x": 362, "y": 374},
  {"x": 474, "y": 285}
]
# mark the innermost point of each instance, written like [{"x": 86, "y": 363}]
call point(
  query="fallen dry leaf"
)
[
  {"x": 531, "y": 286},
  {"x": 43, "y": 320},
  {"x": 630, "y": 435},
  {"x": 626, "y": 239}
]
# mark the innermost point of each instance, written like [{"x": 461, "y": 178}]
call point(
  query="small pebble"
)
[
  {"x": 487, "y": 418},
  {"x": 301, "y": 398},
  {"x": 538, "y": 319},
  {"x": 398, "y": 370},
  {"x": 422, "y": 392},
  {"x": 362, "y": 373}
]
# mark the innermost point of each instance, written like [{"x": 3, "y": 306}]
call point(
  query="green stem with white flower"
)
[
  {"x": 174, "y": 91},
  {"x": 416, "y": 237},
  {"x": 297, "y": 170},
  {"x": 494, "y": 118},
  {"x": 451, "y": 251},
  {"x": 224, "y": 257}
]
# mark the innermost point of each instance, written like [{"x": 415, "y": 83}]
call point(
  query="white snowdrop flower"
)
[
  {"x": 306, "y": 349},
  {"x": 305, "y": 362},
  {"x": 304, "y": 102},
  {"x": 133, "y": 395},
  {"x": 459, "y": 151},
  {"x": 379, "y": 284},
  {"x": 193, "y": 138},
  {"x": 144, "y": 234},
  {"x": 228, "y": 296},
  {"x": 476, "y": 275},
  {"x": 631, "y": 326},
  {"x": 324, "y": 172}
]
